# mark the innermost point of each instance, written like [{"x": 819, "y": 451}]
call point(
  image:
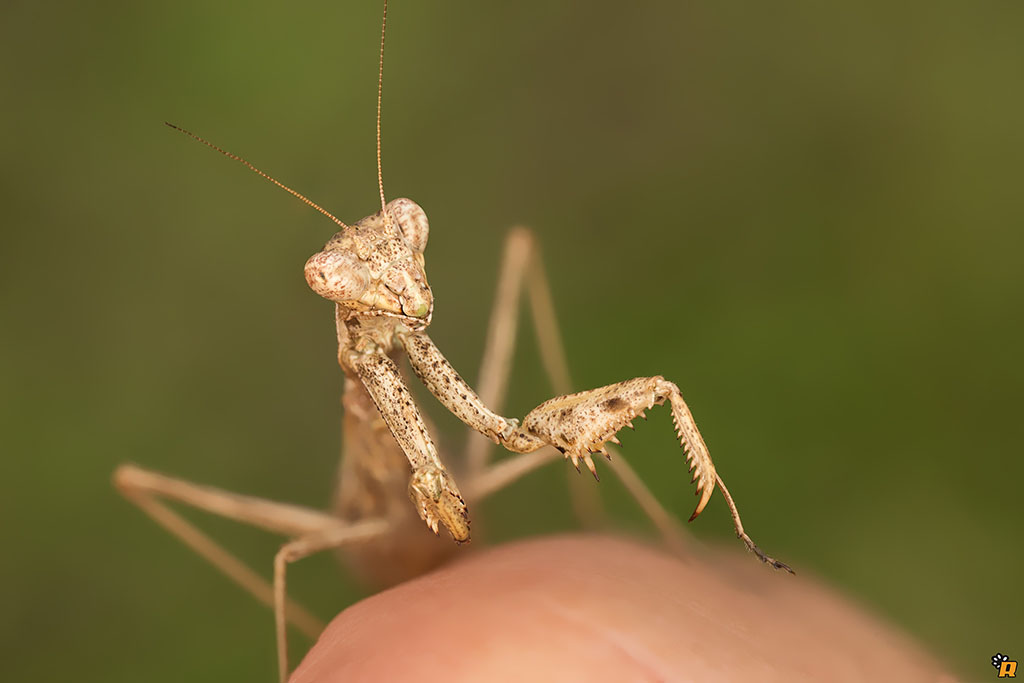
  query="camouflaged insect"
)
[{"x": 374, "y": 273}]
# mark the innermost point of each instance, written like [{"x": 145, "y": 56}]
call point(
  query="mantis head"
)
[{"x": 376, "y": 266}]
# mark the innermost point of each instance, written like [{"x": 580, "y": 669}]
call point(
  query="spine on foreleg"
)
[
  {"x": 372, "y": 481},
  {"x": 693, "y": 445},
  {"x": 582, "y": 423}
]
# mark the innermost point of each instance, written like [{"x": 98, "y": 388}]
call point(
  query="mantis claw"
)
[{"x": 437, "y": 499}]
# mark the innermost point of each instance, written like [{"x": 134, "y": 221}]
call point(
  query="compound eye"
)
[
  {"x": 337, "y": 275},
  {"x": 412, "y": 221}
]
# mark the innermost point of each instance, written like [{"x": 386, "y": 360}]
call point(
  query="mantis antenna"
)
[
  {"x": 380, "y": 90},
  {"x": 284, "y": 187},
  {"x": 303, "y": 198}
]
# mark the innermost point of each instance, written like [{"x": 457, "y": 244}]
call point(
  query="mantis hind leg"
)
[
  {"x": 326, "y": 539},
  {"x": 313, "y": 531}
]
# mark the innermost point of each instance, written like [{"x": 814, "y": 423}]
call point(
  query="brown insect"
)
[{"x": 373, "y": 271}]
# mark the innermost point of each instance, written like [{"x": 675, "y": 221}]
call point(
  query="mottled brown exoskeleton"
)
[{"x": 374, "y": 273}]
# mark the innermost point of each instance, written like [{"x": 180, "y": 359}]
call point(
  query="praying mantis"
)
[{"x": 373, "y": 271}]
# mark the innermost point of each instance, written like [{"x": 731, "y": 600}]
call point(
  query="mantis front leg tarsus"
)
[{"x": 580, "y": 424}]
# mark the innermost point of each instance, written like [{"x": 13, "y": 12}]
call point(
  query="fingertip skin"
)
[{"x": 601, "y": 608}]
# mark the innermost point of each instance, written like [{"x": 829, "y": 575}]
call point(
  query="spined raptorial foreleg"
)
[
  {"x": 581, "y": 424},
  {"x": 522, "y": 272},
  {"x": 576, "y": 424},
  {"x": 438, "y": 375},
  {"x": 432, "y": 488}
]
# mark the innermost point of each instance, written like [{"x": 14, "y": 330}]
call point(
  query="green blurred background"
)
[{"x": 807, "y": 215}]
